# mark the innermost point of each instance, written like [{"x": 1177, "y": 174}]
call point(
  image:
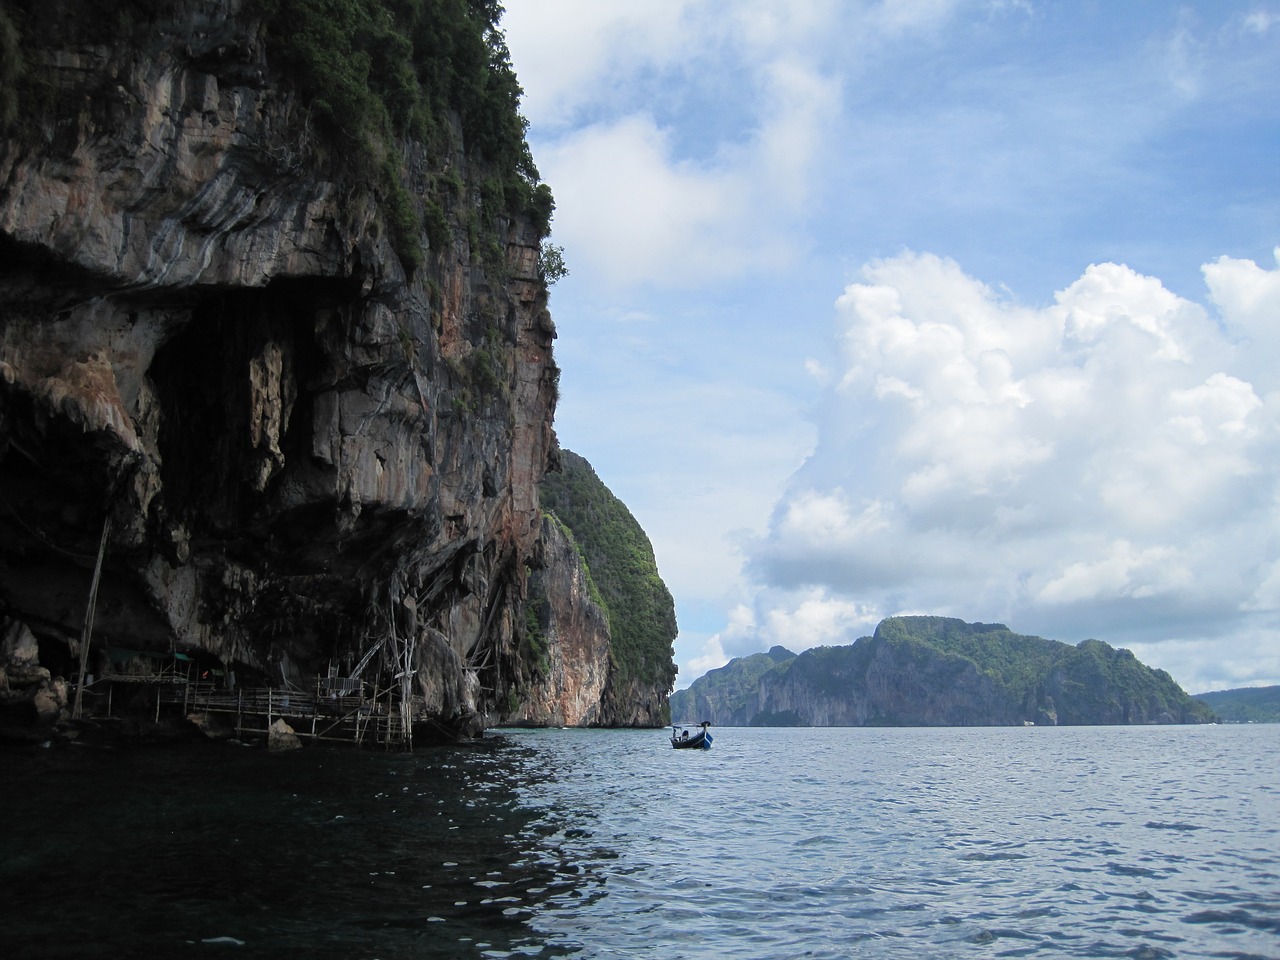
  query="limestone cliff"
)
[
  {"x": 881, "y": 683},
  {"x": 601, "y": 621},
  {"x": 568, "y": 634},
  {"x": 937, "y": 671},
  {"x": 312, "y": 426}
]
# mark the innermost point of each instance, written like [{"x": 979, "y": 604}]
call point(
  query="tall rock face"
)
[
  {"x": 937, "y": 671},
  {"x": 568, "y": 637},
  {"x": 602, "y": 622},
  {"x": 309, "y": 426},
  {"x": 882, "y": 683}
]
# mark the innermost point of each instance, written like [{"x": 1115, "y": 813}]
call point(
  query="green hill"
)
[
  {"x": 1244, "y": 705},
  {"x": 937, "y": 671},
  {"x": 727, "y": 687}
]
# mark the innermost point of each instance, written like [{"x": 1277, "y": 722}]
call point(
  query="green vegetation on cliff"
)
[
  {"x": 376, "y": 70},
  {"x": 1087, "y": 682},
  {"x": 1244, "y": 705},
  {"x": 619, "y": 556},
  {"x": 371, "y": 73},
  {"x": 937, "y": 670},
  {"x": 1014, "y": 661}
]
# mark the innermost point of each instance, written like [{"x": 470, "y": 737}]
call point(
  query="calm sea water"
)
[{"x": 1141, "y": 842}]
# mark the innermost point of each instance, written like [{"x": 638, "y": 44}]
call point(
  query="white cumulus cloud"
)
[
  {"x": 640, "y": 199},
  {"x": 712, "y": 657},
  {"x": 1106, "y": 465}
]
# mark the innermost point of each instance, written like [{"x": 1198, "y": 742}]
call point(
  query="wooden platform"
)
[{"x": 342, "y": 719}]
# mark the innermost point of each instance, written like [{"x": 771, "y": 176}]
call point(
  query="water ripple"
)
[
  {"x": 1052, "y": 849},
  {"x": 1049, "y": 843}
]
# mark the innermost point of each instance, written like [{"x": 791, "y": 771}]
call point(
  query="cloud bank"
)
[
  {"x": 1095, "y": 464},
  {"x": 1102, "y": 466}
]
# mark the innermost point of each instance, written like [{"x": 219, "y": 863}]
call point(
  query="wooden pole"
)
[
  {"x": 386, "y": 736},
  {"x": 86, "y": 633}
]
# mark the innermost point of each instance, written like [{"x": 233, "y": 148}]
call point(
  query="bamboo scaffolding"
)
[
  {"x": 86, "y": 633},
  {"x": 334, "y": 719}
]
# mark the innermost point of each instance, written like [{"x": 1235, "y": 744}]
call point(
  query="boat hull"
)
[{"x": 698, "y": 741}]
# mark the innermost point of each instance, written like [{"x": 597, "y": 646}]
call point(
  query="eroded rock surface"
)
[
  {"x": 569, "y": 633},
  {"x": 207, "y": 337}
]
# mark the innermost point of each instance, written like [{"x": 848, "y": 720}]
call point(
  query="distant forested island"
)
[
  {"x": 1244, "y": 705},
  {"x": 939, "y": 671}
]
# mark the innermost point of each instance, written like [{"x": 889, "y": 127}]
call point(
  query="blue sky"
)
[{"x": 927, "y": 306}]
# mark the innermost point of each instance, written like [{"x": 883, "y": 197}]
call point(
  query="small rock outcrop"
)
[
  {"x": 281, "y": 738},
  {"x": 32, "y": 702}
]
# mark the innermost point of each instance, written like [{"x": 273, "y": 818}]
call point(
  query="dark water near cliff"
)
[{"x": 1087, "y": 842}]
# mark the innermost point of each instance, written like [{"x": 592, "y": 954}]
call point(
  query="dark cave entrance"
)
[{"x": 202, "y": 378}]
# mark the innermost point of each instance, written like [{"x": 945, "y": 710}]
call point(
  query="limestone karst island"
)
[{"x": 277, "y": 389}]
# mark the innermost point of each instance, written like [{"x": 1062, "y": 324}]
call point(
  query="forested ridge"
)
[
  {"x": 1245, "y": 704},
  {"x": 940, "y": 671}
]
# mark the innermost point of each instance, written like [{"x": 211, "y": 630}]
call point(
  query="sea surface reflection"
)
[
  {"x": 197, "y": 850},
  {"x": 1070, "y": 842}
]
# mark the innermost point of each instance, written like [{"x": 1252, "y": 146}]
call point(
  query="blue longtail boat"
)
[{"x": 700, "y": 740}]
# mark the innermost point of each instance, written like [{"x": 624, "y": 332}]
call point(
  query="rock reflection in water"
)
[{"x": 320, "y": 853}]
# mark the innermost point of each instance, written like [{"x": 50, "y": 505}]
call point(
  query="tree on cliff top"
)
[
  {"x": 642, "y": 617},
  {"x": 372, "y": 67}
]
